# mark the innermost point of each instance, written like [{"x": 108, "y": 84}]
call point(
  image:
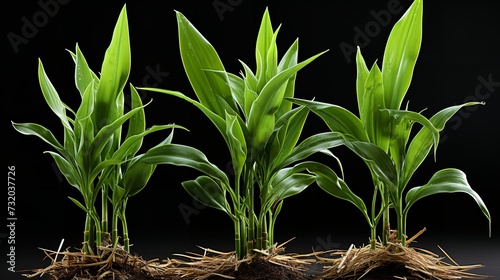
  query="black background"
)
[{"x": 460, "y": 48}]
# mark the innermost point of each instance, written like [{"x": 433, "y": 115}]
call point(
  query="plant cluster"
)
[{"x": 101, "y": 151}]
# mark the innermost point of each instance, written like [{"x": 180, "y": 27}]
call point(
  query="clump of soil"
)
[
  {"x": 110, "y": 263},
  {"x": 393, "y": 261},
  {"x": 262, "y": 269},
  {"x": 270, "y": 264}
]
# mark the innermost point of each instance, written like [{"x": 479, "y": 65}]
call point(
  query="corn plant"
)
[
  {"x": 260, "y": 129},
  {"x": 94, "y": 157},
  {"x": 382, "y": 134}
]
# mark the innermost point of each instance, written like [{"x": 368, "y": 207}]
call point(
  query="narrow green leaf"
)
[
  {"x": 136, "y": 177},
  {"x": 68, "y": 170},
  {"x": 328, "y": 181},
  {"x": 287, "y": 134},
  {"x": 400, "y": 56},
  {"x": 115, "y": 71},
  {"x": 198, "y": 55},
  {"x": 379, "y": 162},
  {"x": 41, "y": 132},
  {"x": 83, "y": 74},
  {"x": 237, "y": 144},
  {"x": 316, "y": 143},
  {"x": 337, "y": 118},
  {"x": 205, "y": 190},
  {"x": 362, "y": 75},
  {"x": 187, "y": 156},
  {"x": 261, "y": 117},
  {"x": 77, "y": 203},
  {"x": 419, "y": 118},
  {"x": 377, "y": 124},
  {"x": 105, "y": 134},
  {"x": 52, "y": 97},
  {"x": 448, "y": 180},
  {"x": 421, "y": 144},
  {"x": 219, "y": 122},
  {"x": 263, "y": 44},
  {"x": 136, "y": 123}
]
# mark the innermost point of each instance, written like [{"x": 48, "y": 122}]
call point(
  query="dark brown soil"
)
[
  {"x": 385, "y": 272},
  {"x": 260, "y": 269}
]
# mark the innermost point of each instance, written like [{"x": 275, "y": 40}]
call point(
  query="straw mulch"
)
[
  {"x": 110, "y": 263},
  {"x": 394, "y": 261},
  {"x": 116, "y": 263},
  {"x": 215, "y": 265}
]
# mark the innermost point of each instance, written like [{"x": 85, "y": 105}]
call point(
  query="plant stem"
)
[
  {"x": 104, "y": 214},
  {"x": 114, "y": 228},
  {"x": 373, "y": 226},
  {"x": 87, "y": 235},
  {"x": 126, "y": 240},
  {"x": 401, "y": 223},
  {"x": 385, "y": 219},
  {"x": 251, "y": 216},
  {"x": 237, "y": 239}
]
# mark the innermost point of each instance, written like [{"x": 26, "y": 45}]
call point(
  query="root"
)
[
  {"x": 214, "y": 263},
  {"x": 111, "y": 263},
  {"x": 356, "y": 263}
]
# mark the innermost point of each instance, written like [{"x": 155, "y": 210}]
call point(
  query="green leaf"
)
[
  {"x": 262, "y": 113},
  {"x": 362, "y": 75},
  {"x": 105, "y": 134},
  {"x": 337, "y": 118},
  {"x": 83, "y": 74},
  {"x": 115, "y": 71},
  {"x": 205, "y": 190},
  {"x": 52, "y": 97},
  {"x": 237, "y": 144},
  {"x": 77, "y": 203},
  {"x": 289, "y": 130},
  {"x": 419, "y": 118},
  {"x": 421, "y": 144},
  {"x": 72, "y": 175},
  {"x": 197, "y": 56},
  {"x": 377, "y": 124},
  {"x": 400, "y": 56},
  {"x": 41, "y": 132},
  {"x": 84, "y": 127},
  {"x": 379, "y": 162},
  {"x": 288, "y": 182},
  {"x": 328, "y": 181},
  {"x": 219, "y": 122},
  {"x": 448, "y": 180},
  {"x": 289, "y": 60},
  {"x": 319, "y": 142},
  {"x": 264, "y": 44},
  {"x": 136, "y": 177},
  {"x": 137, "y": 123},
  {"x": 182, "y": 155}
]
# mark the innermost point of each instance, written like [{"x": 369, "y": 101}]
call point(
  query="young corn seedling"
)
[
  {"x": 94, "y": 156},
  {"x": 382, "y": 133},
  {"x": 260, "y": 129}
]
